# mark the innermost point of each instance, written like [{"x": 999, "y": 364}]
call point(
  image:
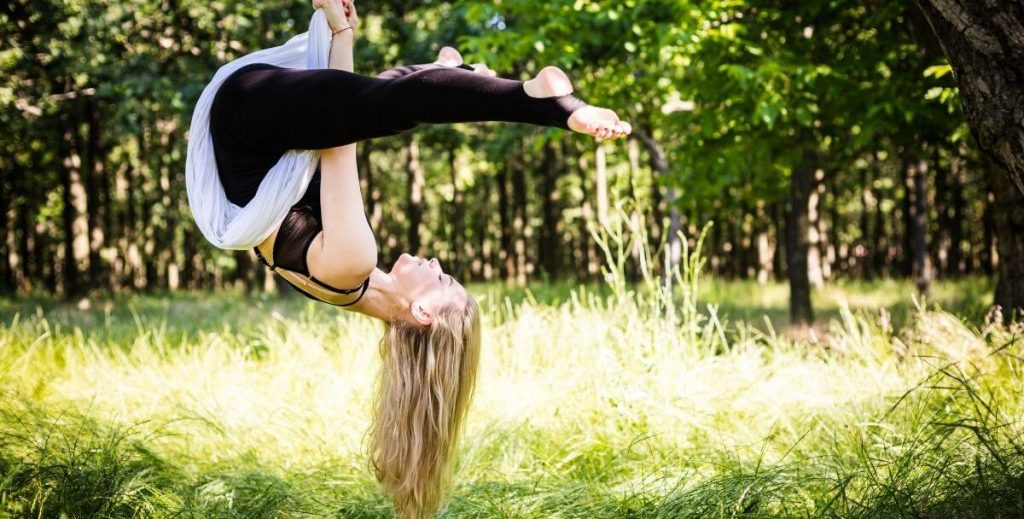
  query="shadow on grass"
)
[
  {"x": 176, "y": 316},
  {"x": 62, "y": 465},
  {"x": 750, "y": 302}
]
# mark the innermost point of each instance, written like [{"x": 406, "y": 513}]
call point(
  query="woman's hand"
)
[
  {"x": 339, "y": 13},
  {"x": 350, "y": 13},
  {"x": 341, "y": 16}
]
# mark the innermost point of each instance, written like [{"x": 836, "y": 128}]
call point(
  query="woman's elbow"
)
[
  {"x": 349, "y": 265},
  {"x": 365, "y": 260},
  {"x": 360, "y": 261}
]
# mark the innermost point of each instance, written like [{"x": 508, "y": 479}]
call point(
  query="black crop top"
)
[
  {"x": 242, "y": 166},
  {"x": 299, "y": 228}
]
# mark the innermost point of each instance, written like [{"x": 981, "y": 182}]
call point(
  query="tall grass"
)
[{"x": 636, "y": 402}]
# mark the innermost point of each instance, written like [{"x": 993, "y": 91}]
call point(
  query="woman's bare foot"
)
[
  {"x": 601, "y": 123},
  {"x": 450, "y": 57},
  {"x": 483, "y": 69}
]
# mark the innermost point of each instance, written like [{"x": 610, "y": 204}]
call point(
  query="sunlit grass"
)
[{"x": 610, "y": 405}]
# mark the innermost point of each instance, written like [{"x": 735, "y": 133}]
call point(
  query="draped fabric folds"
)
[{"x": 223, "y": 223}]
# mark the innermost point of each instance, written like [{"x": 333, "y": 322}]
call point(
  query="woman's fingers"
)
[
  {"x": 350, "y": 12},
  {"x": 336, "y": 11}
]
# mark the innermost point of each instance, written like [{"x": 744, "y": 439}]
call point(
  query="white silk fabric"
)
[{"x": 223, "y": 223}]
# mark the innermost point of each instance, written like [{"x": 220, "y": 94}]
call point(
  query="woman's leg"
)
[
  {"x": 405, "y": 70},
  {"x": 280, "y": 109}
]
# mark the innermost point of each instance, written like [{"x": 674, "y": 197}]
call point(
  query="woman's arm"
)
[
  {"x": 345, "y": 252},
  {"x": 341, "y": 48}
]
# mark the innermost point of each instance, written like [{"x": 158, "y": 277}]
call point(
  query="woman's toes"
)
[
  {"x": 483, "y": 69},
  {"x": 600, "y": 123},
  {"x": 449, "y": 57}
]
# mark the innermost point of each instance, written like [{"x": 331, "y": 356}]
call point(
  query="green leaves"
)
[{"x": 938, "y": 71}]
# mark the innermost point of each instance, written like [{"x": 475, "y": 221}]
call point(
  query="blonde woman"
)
[{"x": 326, "y": 249}]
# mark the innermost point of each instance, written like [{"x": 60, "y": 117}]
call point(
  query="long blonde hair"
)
[{"x": 425, "y": 385}]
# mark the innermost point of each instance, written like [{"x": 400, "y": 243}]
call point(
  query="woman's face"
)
[{"x": 426, "y": 286}]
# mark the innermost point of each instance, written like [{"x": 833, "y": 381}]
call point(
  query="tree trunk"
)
[
  {"x": 28, "y": 269},
  {"x": 737, "y": 264},
  {"x": 657, "y": 224},
  {"x": 111, "y": 223},
  {"x": 415, "y": 177},
  {"x": 94, "y": 171},
  {"x": 150, "y": 261},
  {"x": 147, "y": 184},
  {"x": 659, "y": 163},
  {"x": 587, "y": 266},
  {"x": 243, "y": 271},
  {"x": 797, "y": 244},
  {"x": 169, "y": 270},
  {"x": 764, "y": 248},
  {"x": 71, "y": 280},
  {"x": 882, "y": 238},
  {"x": 46, "y": 255},
  {"x": 188, "y": 266},
  {"x": 907, "y": 264},
  {"x": 601, "y": 184},
  {"x": 548, "y": 249},
  {"x": 519, "y": 215},
  {"x": 636, "y": 214},
  {"x": 988, "y": 223},
  {"x": 6, "y": 273},
  {"x": 942, "y": 244},
  {"x": 835, "y": 259},
  {"x": 508, "y": 266},
  {"x": 458, "y": 231},
  {"x": 779, "y": 260},
  {"x": 867, "y": 244},
  {"x": 956, "y": 222},
  {"x": 982, "y": 39},
  {"x": 31, "y": 258},
  {"x": 917, "y": 192},
  {"x": 134, "y": 183},
  {"x": 488, "y": 259},
  {"x": 1009, "y": 224},
  {"x": 73, "y": 200},
  {"x": 815, "y": 257}
]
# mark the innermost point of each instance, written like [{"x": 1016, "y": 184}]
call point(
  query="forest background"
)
[
  {"x": 824, "y": 140},
  {"x": 855, "y": 165}
]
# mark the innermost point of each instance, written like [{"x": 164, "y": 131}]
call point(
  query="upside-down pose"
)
[{"x": 326, "y": 249}]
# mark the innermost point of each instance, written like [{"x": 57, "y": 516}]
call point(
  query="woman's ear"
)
[{"x": 422, "y": 313}]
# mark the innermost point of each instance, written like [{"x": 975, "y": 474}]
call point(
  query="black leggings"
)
[{"x": 261, "y": 111}]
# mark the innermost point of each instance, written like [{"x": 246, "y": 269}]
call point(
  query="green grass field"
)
[{"x": 592, "y": 403}]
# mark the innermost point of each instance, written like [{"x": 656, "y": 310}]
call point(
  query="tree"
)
[{"x": 982, "y": 39}]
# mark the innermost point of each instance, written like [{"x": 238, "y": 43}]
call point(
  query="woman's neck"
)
[{"x": 381, "y": 299}]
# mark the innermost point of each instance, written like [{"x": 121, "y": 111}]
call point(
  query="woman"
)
[{"x": 326, "y": 249}]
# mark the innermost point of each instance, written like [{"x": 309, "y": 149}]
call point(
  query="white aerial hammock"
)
[{"x": 223, "y": 223}]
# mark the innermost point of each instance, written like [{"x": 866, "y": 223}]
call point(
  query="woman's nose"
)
[{"x": 434, "y": 264}]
